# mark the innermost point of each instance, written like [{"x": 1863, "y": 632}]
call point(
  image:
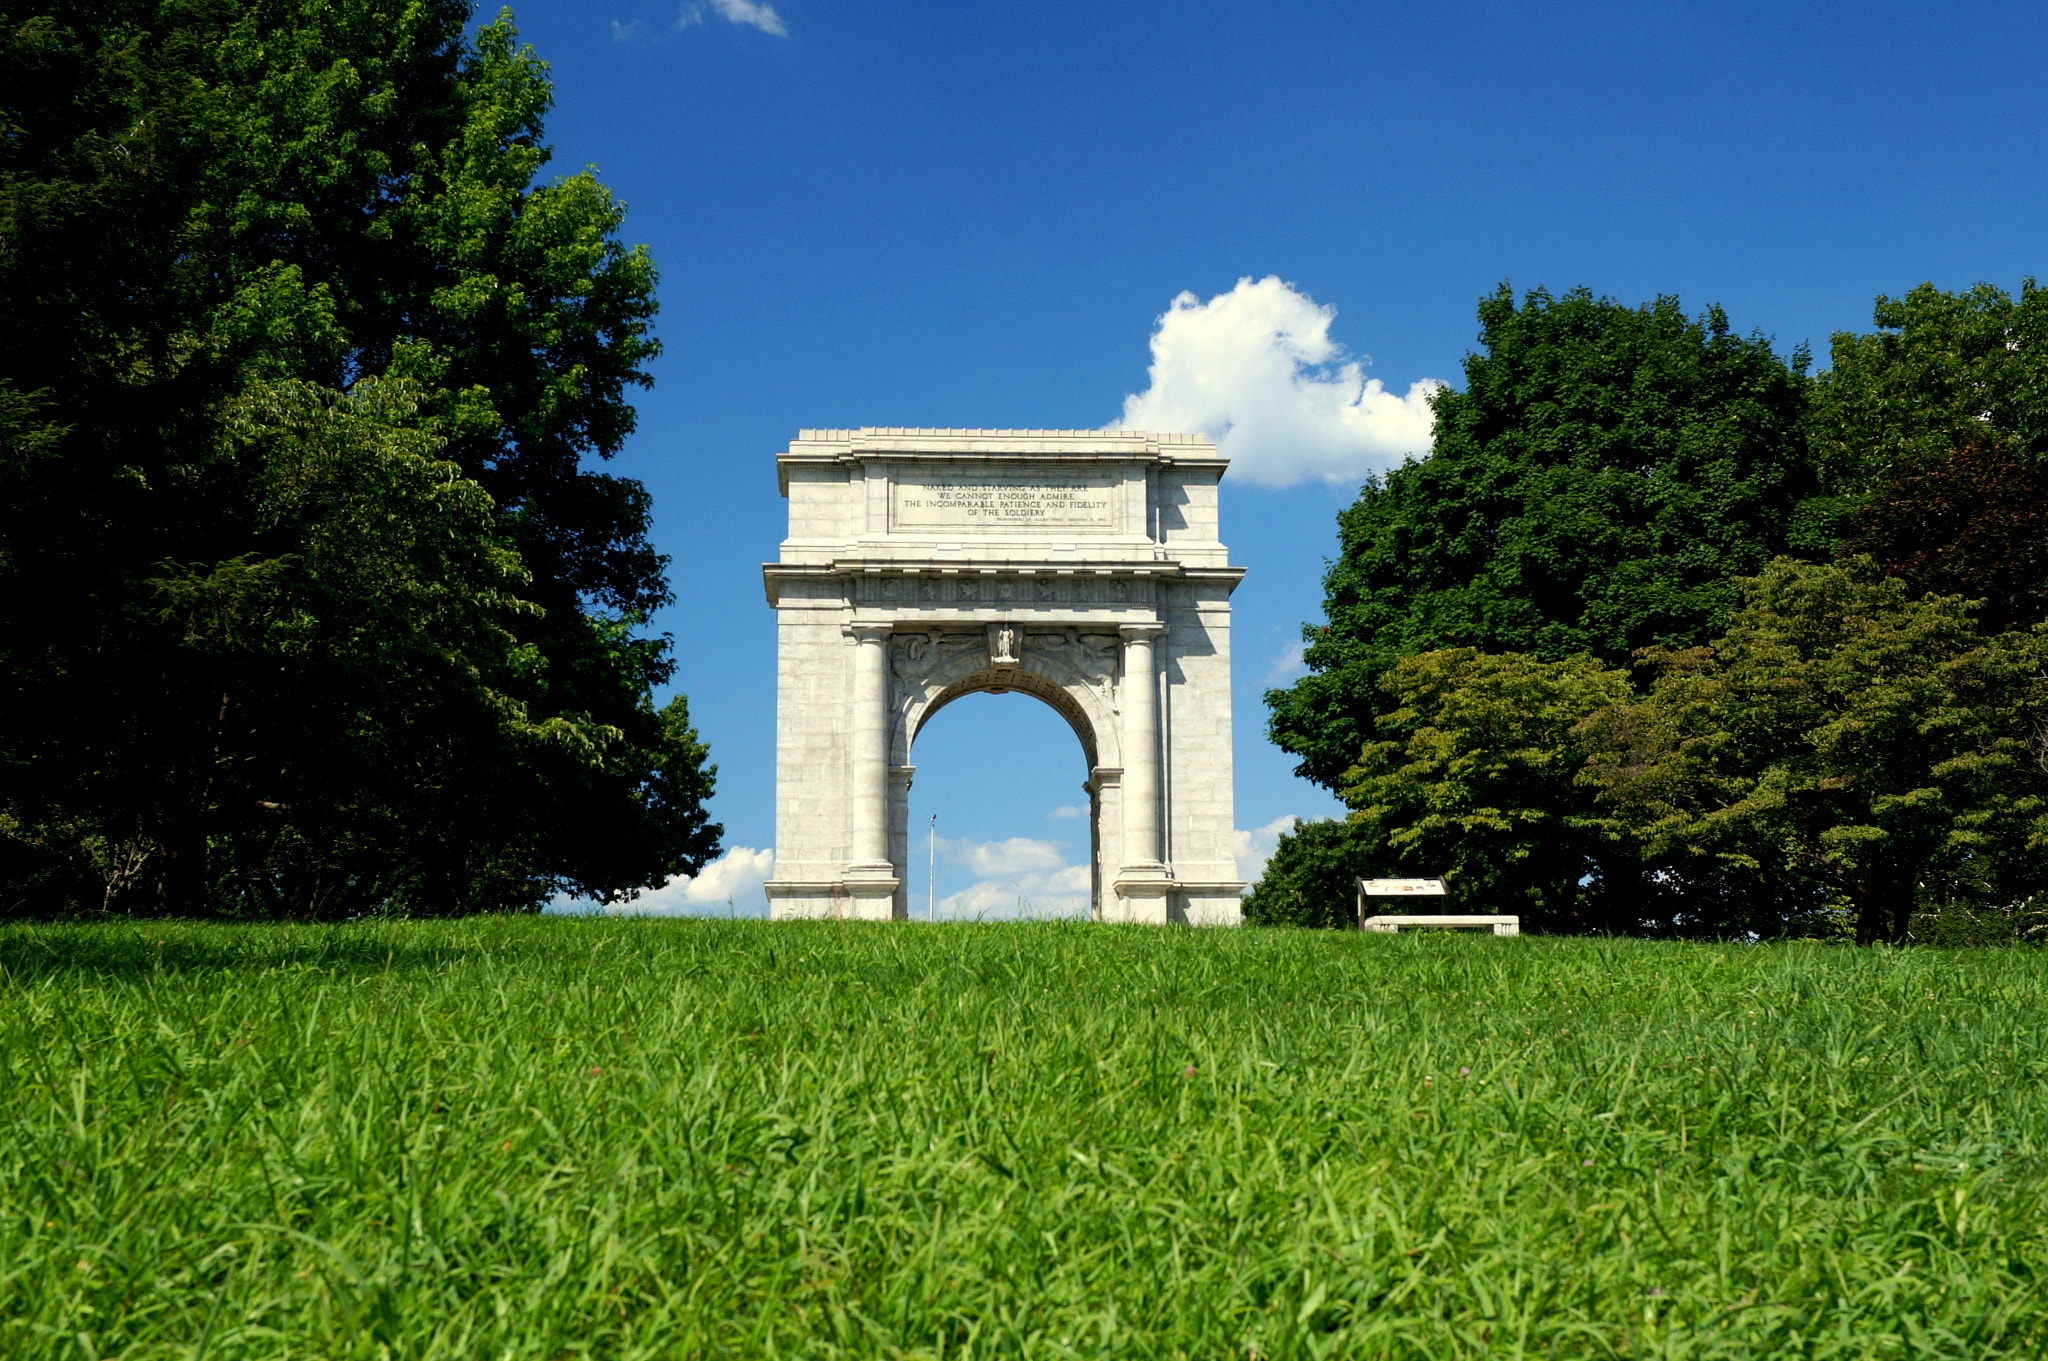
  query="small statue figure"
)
[{"x": 1002, "y": 644}]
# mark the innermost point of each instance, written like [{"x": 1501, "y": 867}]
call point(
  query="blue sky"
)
[{"x": 947, "y": 215}]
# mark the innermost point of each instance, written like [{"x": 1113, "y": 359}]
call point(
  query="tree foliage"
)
[
  {"x": 1471, "y": 777},
  {"x": 1477, "y": 777},
  {"x": 1610, "y": 484},
  {"x": 1311, "y": 879},
  {"x": 309, "y": 599},
  {"x": 1941, "y": 416},
  {"x": 1941, "y": 371},
  {"x": 1596, "y": 487},
  {"x": 1844, "y": 731},
  {"x": 1972, "y": 522}
]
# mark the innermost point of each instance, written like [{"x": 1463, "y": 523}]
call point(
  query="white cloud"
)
[
  {"x": 1253, "y": 849},
  {"x": 1255, "y": 369},
  {"x": 987, "y": 859},
  {"x": 1018, "y": 877},
  {"x": 762, "y": 17},
  {"x": 1058, "y": 891},
  {"x": 626, "y": 32},
  {"x": 691, "y": 16},
  {"x": 734, "y": 878},
  {"x": 1071, "y": 810},
  {"x": 1288, "y": 664}
]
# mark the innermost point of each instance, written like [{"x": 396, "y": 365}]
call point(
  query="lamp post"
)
[{"x": 931, "y": 874}]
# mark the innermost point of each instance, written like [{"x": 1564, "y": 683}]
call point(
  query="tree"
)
[
  {"x": 1940, "y": 416},
  {"x": 1968, "y": 523},
  {"x": 210, "y": 215},
  {"x": 1843, "y": 731},
  {"x": 1942, "y": 371},
  {"x": 1312, "y": 877},
  {"x": 1604, "y": 477},
  {"x": 1472, "y": 778}
]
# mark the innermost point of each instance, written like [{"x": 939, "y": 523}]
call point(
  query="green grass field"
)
[{"x": 566, "y": 1138}]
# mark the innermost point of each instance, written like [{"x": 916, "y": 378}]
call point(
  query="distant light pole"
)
[{"x": 931, "y": 874}]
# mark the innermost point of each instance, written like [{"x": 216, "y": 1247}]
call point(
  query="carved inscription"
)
[{"x": 996, "y": 501}]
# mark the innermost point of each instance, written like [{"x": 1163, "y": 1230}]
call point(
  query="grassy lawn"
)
[{"x": 560, "y": 1138}]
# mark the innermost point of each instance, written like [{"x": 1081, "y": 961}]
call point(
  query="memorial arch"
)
[{"x": 1081, "y": 567}]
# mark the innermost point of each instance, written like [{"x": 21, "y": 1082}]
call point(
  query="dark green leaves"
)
[
  {"x": 1604, "y": 477},
  {"x": 307, "y": 595}
]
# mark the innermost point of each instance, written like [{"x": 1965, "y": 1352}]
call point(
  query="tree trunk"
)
[
  {"x": 1884, "y": 906},
  {"x": 182, "y": 877}
]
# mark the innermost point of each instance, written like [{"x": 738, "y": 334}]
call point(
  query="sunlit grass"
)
[{"x": 559, "y": 1138}]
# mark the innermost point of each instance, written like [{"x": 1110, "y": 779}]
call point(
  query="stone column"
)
[
  {"x": 1141, "y": 746},
  {"x": 1142, "y": 882},
  {"x": 899, "y": 836},
  {"x": 870, "y": 878}
]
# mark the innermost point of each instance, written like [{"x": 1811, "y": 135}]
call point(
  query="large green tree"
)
[
  {"x": 1940, "y": 416},
  {"x": 1844, "y": 731},
  {"x": 311, "y": 597},
  {"x": 1596, "y": 487},
  {"x": 1941, "y": 370},
  {"x": 1312, "y": 877},
  {"x": 1478, "y": 776}
]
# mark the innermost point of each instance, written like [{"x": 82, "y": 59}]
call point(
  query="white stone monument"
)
[{"x": 1080, "y": 567}]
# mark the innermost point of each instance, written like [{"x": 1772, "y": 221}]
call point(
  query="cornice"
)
[
  {"x": 773, "y": 574},
  {"x": 934, "y": 445}
]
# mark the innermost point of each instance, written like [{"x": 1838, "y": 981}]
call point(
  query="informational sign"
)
[
  {"x": 1401, "y": 888},
  {"x": 995, "y": 501}
]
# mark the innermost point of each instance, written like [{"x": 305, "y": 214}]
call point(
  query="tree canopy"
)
[
  {"x": 1566, "y": 663},
  {"x": 1603, "y": 477},
  {"x": 1846, "y": 732},
  {"x": 1940, "y": 371},
  {"x": 311, "y": 598},
  {"x": 1940, "y": 418}
]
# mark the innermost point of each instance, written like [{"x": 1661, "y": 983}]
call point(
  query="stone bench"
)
[{"x": 1502, "y": 926}]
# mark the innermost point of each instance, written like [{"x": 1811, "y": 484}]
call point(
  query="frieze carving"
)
[
  {"x": 1092, "y": 655},
  {"x": 914, "y": 656},
  {"x": 976, "y": 589}
]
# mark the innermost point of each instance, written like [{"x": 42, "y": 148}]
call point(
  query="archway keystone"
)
[{"x": 1080, "y": 567}]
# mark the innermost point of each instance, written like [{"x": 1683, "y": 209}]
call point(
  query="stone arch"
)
[
  {"x": 1071, "y": 671},
  {"x": 1081, "y": 567},
  {"x": 929, "y": 678}
]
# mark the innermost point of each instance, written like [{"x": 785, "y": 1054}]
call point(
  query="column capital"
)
[
  {"x": 866, "y": 632},
  {"x": 1140, "y": 632}
]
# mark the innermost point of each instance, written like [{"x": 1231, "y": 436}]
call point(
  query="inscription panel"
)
[{"x": 1004, "y": 501}]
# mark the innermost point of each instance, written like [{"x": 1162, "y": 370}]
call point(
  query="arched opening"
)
[{"x": 1005, "y": 773}]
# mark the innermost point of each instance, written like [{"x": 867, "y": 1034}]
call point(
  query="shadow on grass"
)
[{"x": 122, "y": 949}]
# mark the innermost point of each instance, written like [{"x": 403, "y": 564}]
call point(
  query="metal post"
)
[{"x": 931, "y": 874}]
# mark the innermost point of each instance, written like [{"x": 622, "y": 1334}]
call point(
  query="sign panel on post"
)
[{"x": 1395, "y": 888}]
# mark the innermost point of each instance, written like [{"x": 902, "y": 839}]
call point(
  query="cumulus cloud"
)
[
  {"x": 987, "y": 859},
  {"x": 1017, "y": 877},
  {"x": 1288, "y": 664},
  {"x": 1071, "y": 810},
  {"x": 1253, "y": 849},
  {"x": 1057, "y": 892},
  {"x": 747, "y": 12},
  {"x": 1255, "y": 369},
  {"x": 731, "y": 882}
]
